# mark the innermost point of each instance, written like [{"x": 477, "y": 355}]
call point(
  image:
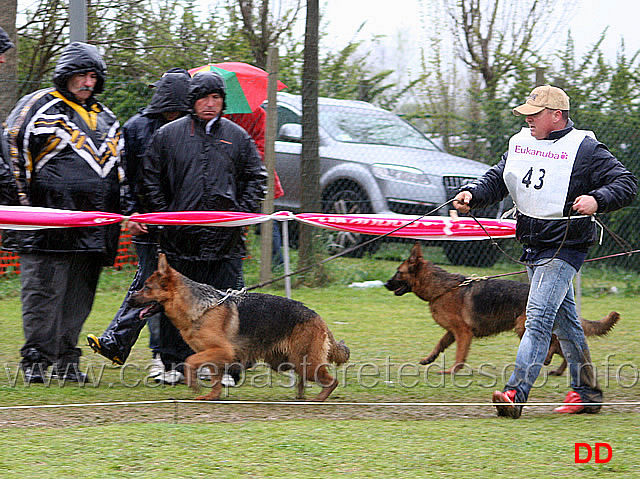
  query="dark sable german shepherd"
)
[
  {"x": 478, "y": 309},
  {"x": 250, "y": 326}
]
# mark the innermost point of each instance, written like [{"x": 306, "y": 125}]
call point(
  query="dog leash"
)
[
  {"x": 495, "y": 243},
  {"x": 468, "y": 281},
  {"x": 348, "y": 250},
  {"x": 617, "y": 238},
  {"x": 614, "y": 255},
  {"x": 472, "y": 278}
]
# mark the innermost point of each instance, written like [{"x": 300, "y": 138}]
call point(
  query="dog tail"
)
[
  {"x": 338, "y": 352},
  {"x": 602, "y": 327}
]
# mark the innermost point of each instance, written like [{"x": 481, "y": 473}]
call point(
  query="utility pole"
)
[
  {"x": 266, "y": 229},
  {"x": 78, "y": 20}
]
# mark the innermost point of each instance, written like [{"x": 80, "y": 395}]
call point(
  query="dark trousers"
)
[
  {"x": 276, "y": 249},
  {"x": 58, "y": 290},
  {"x": 125, "y": 327},
  {"x": 223, "y": 275}
]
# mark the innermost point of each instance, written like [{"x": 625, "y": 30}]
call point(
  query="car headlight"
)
[{"x": 400, "y": 173}]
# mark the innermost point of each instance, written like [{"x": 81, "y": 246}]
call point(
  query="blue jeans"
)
[
  {"x": 551, "y": 308},
  {"x": 124, "y": 329}
]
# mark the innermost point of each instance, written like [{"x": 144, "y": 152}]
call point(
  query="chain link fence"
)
[{"x": 374, "y": 161}]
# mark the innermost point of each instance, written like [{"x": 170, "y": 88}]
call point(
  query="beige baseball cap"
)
[{"x": 542, "y": 97}]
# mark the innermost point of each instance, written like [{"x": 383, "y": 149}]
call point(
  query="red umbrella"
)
[{"x": 246, "y": 84}]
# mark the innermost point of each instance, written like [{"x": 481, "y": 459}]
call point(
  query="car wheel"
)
[
  {"x": 346, "y": 197},
  {"x": 471, "y": 253}
]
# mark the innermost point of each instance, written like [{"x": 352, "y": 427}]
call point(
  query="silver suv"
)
[{"x": 372, "y": 161}]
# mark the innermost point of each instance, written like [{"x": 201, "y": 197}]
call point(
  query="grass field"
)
[{"x": 389, "y": 417}]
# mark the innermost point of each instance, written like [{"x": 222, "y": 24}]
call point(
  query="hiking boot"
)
[
  {"x": 157, "y": 367},
  {"x": 103, "y": 350},
  {"x": 573, "y": 405},
  {"x": 69, "y": 372},
  {"x": 505, "y": 406},
  {"x": 171, "y": 377},
  {"x": 34, "y": 366},
  {"x": 34, "y": 372}
]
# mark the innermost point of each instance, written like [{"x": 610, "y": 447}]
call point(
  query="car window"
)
[
  {"x": 359, "y": 125},
  {"x": 286, "y": 115}
]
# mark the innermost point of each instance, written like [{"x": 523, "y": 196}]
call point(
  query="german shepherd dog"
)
[
  {"x": 477, "y": 309},
  {"x": 225, "y": 329}
]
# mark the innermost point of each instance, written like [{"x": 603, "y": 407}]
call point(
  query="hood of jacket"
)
[
  {"x": 5, "y": 42},
  {"x": 170, "y": 94},
  {"x": 78, "y": 57},
  {"x": 205, "y": 83}
]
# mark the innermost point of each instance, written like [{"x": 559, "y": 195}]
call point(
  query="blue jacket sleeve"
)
[
  {"x": 489, "y": 188},
  {"x": 616, "y": 187}
]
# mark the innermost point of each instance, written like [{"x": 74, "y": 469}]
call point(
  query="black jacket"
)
[
  {"x": 596, "y": 172},
  {"x": 169, "y": 95},
  {"x": 65, "y": 155},
  {"x": 186, "y": 169}
]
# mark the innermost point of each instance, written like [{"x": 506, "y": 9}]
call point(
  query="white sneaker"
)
[
  {"x": 157, "y": 367},
  {"x": 227, "y": 381},
  {"x": 204, "y": 374},
  {"x": 171, "y": 378}
]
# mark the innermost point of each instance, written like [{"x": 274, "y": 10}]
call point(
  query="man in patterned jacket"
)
[{"x": 64, "y": 147}]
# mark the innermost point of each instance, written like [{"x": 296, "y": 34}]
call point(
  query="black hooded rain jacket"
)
[{"x": 187, "y": 169}]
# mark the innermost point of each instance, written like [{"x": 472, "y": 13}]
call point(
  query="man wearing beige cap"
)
[{"x": 558, "y": 177}]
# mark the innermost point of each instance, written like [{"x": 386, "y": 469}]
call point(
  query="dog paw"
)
[
  {"x": 452, "y": 369},
  {"x": 428, "y": 360},
  {"x": 208, "y": 397}
]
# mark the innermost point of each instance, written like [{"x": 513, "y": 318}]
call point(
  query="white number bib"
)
[{"x": 537, "y": 172}]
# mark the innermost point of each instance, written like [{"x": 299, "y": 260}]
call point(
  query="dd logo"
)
[{"x": 598, "y": 446}]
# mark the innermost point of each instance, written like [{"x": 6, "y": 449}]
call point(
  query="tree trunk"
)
[{"x": 310, "y": 164}]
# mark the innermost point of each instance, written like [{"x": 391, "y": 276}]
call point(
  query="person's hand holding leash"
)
[
  {"x": 462, "y": 200},
  {"x": 585, "y": 205}
]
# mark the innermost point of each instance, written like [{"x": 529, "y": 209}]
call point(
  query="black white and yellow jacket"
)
[{"x": 65, "y": 155}]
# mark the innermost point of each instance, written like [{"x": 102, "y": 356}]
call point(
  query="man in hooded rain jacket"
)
[
  {"x": 202, "y": 162},
  {"x": 168, "y": 103},
  {"x": 65, "y": 151}
]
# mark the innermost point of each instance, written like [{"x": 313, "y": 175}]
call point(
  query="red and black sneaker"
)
[
  {"x": 505, "y": 406},
  {"x": 572, "y": 404}
]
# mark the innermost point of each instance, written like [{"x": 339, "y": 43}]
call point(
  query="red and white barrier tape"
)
[{"x": 426, "y": 228}]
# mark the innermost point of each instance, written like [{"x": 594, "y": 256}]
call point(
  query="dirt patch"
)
[{"x": 188, "y": 412}]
